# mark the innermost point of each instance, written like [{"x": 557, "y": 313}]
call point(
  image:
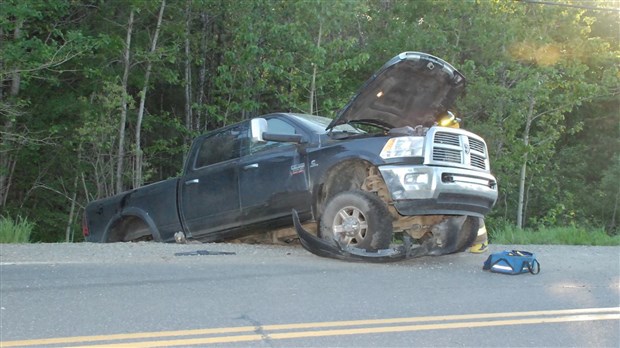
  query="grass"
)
[
  {"x": 15, "y": 230},
  {"x": 553, "y": 235}
]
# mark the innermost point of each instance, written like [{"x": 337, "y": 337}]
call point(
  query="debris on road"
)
[{"x": 204, "y": 252}]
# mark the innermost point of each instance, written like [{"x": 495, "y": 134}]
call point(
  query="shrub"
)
[{"x": 15, "y": 231}]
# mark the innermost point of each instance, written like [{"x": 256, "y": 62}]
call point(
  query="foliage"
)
[
  {"x": 570, "y": 235},
  {"x": 15, "y": 230},
  {"x": 543, "y": 87}
]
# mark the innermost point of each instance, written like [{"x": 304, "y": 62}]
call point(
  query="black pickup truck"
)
[{"x": 393, "y": 164}]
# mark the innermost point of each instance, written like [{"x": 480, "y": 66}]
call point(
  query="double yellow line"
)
[{"x": 323, "y": 329}]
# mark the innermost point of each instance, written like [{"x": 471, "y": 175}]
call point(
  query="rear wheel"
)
[
  {"x": 359, "y": 219},
  {"x": 130, "y": 229}
]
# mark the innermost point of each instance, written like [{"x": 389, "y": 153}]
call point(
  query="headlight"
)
[{"x": 403, "y": 147}]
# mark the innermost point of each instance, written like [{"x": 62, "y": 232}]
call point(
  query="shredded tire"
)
[{"x": 357, "y": 218}]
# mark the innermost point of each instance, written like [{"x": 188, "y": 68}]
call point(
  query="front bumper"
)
[
  {"x": 440, "y": 244},
  {"x": 428, "y": 190}
]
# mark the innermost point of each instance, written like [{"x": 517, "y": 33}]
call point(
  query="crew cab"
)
[{"x": 386, "y": 167}]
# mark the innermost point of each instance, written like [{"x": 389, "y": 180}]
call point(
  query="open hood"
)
[{"x": 411, "y": 89}]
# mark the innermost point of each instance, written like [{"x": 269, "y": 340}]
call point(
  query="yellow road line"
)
[
  {"x": 566, "y": 315},
  {"x": 357, "y": 331}
]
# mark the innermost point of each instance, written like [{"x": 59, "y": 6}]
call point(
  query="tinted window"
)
[
  {"x": 280, "y": 127},
  {"x": 222, "y": 146}
]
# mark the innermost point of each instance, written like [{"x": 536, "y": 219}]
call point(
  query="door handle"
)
[
  {"x": 191, "y": 182},
  {"x": 250, "y": 166}
]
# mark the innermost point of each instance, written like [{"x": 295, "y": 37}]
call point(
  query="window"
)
[
  {"x": 223, "y": 146},
  {"x": 278, "y": 126}
]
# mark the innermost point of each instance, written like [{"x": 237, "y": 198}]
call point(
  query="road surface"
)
[{"x": 147, "y": 295}]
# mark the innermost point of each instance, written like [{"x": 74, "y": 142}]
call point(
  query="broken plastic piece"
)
[{"x": 204, "y": 252}]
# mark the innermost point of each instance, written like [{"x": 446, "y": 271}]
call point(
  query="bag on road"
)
[{"x": 512, "y": 262}]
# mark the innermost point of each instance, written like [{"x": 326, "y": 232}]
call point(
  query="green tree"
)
[
  {"x": 40, "y": 44},
  {"x": 542, "y": 90}
]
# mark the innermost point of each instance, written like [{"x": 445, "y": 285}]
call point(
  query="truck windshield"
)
[{"x": 319, "y": 123}]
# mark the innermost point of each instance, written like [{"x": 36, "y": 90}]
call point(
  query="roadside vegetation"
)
[
  {"x": 571, "y": 235},
  {"x": 15, "y": 230}
]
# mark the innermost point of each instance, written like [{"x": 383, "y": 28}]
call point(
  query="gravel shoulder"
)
[
  {"x": 130, "y": 252},
  {"x": 148, "y": 252}
]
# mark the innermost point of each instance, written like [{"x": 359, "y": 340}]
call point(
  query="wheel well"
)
[
  {"x": 345, "y": 176},
  {"x": 129, "y": 228}
]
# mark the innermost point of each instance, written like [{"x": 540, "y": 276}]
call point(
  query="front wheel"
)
[
  {"x": 468, "y": 233},
  {"x": 359, "y": 219}
]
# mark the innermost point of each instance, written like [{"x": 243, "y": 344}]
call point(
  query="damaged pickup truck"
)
[{"x": 391, "y": 177}]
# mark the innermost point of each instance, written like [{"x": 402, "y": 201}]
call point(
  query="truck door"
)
[
  {"x": 273, "y": 178},
  {"x": 209, "y": 192}
]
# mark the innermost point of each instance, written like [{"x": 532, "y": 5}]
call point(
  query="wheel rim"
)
[{"x": 350, "y": 225}]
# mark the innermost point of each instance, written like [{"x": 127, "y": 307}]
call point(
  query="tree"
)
[
  {"x": 542, "y": 90},
  {"x": 120, "y": 157},
  {"x": 138, "y": 172}
]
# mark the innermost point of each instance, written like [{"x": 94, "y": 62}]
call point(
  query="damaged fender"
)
[{"x": 441, "y": 243}]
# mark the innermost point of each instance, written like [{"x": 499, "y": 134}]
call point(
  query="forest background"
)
[{"x": 101, "y": 96}]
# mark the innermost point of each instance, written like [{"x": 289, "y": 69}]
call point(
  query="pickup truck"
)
[{"x": 392, "y": 168}]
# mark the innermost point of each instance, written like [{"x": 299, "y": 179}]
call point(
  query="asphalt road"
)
[{"x": 142, "y": 295}]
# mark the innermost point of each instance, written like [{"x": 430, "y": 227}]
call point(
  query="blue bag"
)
[{"x": 512, "y": 262}]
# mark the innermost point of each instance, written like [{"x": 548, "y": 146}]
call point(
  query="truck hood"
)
[{"x": 411, "y": 89}]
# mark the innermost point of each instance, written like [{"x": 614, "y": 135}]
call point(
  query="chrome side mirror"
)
[{"x": 258, "y": 126}]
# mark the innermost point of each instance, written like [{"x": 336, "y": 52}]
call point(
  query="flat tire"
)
[{"x": 359, "y": 219}]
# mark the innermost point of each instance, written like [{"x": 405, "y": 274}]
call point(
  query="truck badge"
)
[{"x": 297, "y": 168}]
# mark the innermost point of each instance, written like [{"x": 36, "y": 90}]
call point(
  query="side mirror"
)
[
  {"x": 259, "y": 133},
  {"x": 258, "y": 126}
]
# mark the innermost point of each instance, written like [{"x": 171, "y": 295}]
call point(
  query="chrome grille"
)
[
  {"x": 477, "y": 161},
  {"x": 447, "y": 138},
  {"x": 476, "y": 145},
  {"x": 458, "y": 148},
  {"x": 447, "y": 155}
]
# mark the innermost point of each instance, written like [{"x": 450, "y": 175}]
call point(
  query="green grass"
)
[
  {"x": 553, "y": 235},
  {"x": 15, "y": 231}
]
